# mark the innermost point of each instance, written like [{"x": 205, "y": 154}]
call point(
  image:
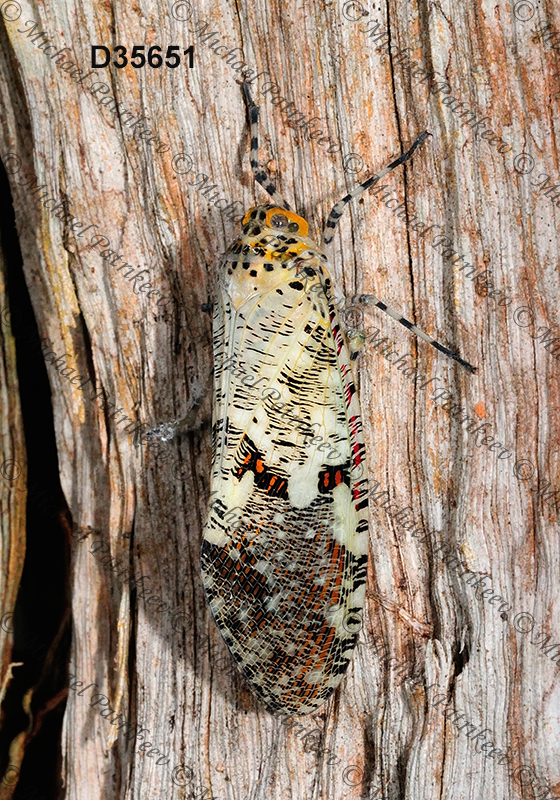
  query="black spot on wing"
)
[
  {"x": 332, "y": 476},
  {"x": 249, "y": 459}
]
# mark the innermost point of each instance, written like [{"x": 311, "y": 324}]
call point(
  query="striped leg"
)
[
  {"x": 371, "y": 300},
  {"x": 260, "y": 175},
  {"x": 336, "y": 213}
]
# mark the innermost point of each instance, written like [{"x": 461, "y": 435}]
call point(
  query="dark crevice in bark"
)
[{"x": 41, "y": 619}]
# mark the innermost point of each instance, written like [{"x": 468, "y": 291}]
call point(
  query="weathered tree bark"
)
[{"x": 382, "y": 735}]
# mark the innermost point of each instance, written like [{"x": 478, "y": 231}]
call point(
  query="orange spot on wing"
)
[
  {"x": 480, "y": 410},
  {"x": 259, "y": 465}
]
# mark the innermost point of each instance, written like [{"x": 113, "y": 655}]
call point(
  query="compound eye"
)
[
  {"x": 293, "y": 227},
  {"x": 279, "y": 221}
]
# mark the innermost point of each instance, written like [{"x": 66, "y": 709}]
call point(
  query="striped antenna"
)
[
  {"x": 371, "y": 300},
  {"x": 260, "y": 174},
  {"x": 336, "y": 213}
]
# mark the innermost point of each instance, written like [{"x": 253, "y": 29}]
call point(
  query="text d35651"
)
[{"x": 138, "y": 57}]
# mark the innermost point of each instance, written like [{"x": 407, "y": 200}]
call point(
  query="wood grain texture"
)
[
  {"x": 149, "y": 361},
  {"x": 13, "y": 494}
]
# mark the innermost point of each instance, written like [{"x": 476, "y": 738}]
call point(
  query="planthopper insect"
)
[{"x": 284, "y": 553}]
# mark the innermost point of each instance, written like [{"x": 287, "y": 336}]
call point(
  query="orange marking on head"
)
[
  {"x": 338, "y": 477},
  {"x": 259, "y": 465},
  {"x": 326, "y": 480},
  {"x": 303, "y": 226}
]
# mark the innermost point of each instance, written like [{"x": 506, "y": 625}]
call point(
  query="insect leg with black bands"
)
[
  {"x": 260, "y": 175},
  {"x": 370, "y": 299},
  {"x": 338, "y": 209}
]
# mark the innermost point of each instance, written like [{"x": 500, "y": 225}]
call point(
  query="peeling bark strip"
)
[{"x": 42, "y": 500}]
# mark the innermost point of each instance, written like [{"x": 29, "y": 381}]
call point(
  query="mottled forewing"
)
[{"x": 285, "y": 544}]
